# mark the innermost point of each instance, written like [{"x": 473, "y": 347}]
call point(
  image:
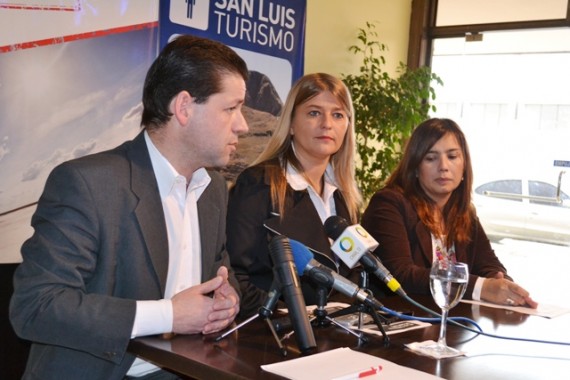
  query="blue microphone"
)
[{"x": 307, "y": 265}]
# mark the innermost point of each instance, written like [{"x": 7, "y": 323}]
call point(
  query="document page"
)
[
  {"x": 344, "y": 364},
  {"x": 546, "y": 311}
]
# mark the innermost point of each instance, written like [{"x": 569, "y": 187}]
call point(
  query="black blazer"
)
[
  {"x": 100, "y": 243},
  {"x": 250, "y": 213}
]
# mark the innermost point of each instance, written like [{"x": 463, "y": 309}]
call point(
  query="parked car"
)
[{"x": 524, "y": 209}]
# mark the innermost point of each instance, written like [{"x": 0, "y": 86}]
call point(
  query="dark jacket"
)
[
  {"x": 250, "y": 213},
  {"x": 406, "y": 249},
  {"x": 100, "y": 243}
]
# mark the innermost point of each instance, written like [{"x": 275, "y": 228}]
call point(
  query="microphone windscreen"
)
[
  {"x": 301, "y": 255},
  {"x": 286, "y": 273},
  {"x": 335, "y": 226}
]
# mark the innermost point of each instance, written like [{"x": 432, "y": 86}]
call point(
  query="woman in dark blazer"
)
[
  {"x": 425, "y": 211},
  {"x": 304, "y": 175}
]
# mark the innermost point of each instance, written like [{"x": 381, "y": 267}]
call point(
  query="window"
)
[
  {"x": 504, "y": 68},
  {"x": 460, "y": 12},
  {"x": 546, "y": 190},
  {"x": 509, "y": 186}
]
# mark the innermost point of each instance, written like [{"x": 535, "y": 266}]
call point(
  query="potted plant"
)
[{"x": 386, "y": 109}]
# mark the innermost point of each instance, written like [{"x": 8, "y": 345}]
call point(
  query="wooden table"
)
[{"x": 240, "y": 355}]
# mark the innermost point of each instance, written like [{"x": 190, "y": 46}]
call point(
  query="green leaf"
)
[{"x": 386, "y": 109}]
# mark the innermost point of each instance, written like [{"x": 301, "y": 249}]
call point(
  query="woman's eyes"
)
[
  {"x": 336, "y": 115},
  {"x": 433, "y": 157}
]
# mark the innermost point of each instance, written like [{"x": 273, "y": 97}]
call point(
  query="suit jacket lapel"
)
[
  {"x": 149, "y": 210},
  {"x": 208, "y": 216},
  {"x": 340, "y": 205},
  {"x": 302, "y": 222},
  {"x": 424, "y": 240}
]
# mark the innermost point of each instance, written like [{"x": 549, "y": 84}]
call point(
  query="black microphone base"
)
[
  {"x": 264, "y": 314},
  {"x": 367, "y": 309}
]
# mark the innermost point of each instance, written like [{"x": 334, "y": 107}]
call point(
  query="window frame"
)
[{"x": 423, "y": 30}]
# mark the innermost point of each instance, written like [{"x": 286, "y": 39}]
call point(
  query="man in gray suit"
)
[{"x": 131, "y": 242}]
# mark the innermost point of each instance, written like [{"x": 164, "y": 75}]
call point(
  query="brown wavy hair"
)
[{"x": 458, "y": 213}]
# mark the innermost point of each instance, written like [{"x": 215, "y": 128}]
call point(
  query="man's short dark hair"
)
[{"x": 190, "y": 63}]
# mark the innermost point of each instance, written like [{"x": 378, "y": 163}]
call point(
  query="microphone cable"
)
[
  {"x": 336, "y": 225},
  {"x": 455, "y": 321}
]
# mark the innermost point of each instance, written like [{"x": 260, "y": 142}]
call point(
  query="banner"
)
[
  {"x": 71, "y": 77},
  {"x": 268, "y": 34}
]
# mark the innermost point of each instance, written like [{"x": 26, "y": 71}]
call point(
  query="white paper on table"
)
[
  {"x": 342, "y": 362},
  {"x": 393, "y": 327},
  {"x": 369, "y": 326},
  {"x": 546, "y": 311},
  {"x": 417, "y": 348},
  {"x": 330, "y": 307}
]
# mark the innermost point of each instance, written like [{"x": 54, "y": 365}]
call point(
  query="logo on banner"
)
[
  {"x": 190, "y": 8},
  {"x": 192, "y": 13}
]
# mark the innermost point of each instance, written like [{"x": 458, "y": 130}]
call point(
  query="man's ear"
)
[{"x": 181, "y": 107}]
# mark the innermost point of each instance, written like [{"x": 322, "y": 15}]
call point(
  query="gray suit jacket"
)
[{"x": 100, "y": 243}]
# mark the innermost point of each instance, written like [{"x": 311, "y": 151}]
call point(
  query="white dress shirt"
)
[
  {"x": 179, "y": 202},
  {"x": 324, "y": 205}
]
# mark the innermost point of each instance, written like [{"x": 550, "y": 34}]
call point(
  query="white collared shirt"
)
[
  {"x": 324, "y": 205},
  {"x": 180, "y": 209},
  {"x": 179, "y": 203}
]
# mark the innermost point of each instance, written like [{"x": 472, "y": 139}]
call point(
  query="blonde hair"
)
[{"x": 279, "y": 150}]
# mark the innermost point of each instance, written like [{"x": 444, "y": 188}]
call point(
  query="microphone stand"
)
[
  {"x": 265, "y": 313},
  {"x": 362, "y": 308},
  {"x": 322, "y": 318}
]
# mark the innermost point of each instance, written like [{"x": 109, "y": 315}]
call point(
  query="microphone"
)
[
  {"x": 350, "y": 242},
  {"x": 354, "y": 244},
  {"x": 286, "y": 274},
  {"x": 266, "y": 310},
  {"x": 307, "y": 265}
]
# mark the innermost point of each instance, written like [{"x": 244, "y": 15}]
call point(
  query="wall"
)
[{"x": 332, "y": 27}]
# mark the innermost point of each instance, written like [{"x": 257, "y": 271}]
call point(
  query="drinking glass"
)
[{"x": 448, "y": 281}]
